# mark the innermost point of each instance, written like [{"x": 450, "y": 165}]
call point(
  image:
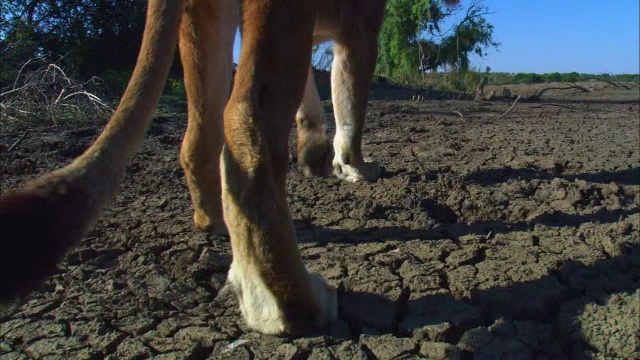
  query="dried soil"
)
[{"x": 484, "y": 238}]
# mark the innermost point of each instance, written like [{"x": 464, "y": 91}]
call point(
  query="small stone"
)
[
  {"x": 222, "y": 351},
  {"x": 484, "y": 343},
  {"x": 132, "y": 349},
  {"x": 202, "y": 334},
  {"x": 287, "y": 352},
  {"x": 53, "y": 346},
  {"x": 133, "y": 325},
  {"x": 13, "y": 356},
  {"x": 415, "y": 326},
  {"x": 349, "y": 350},
  {"x": 440, "y": 350},
  {"x": 321, "y": 354},
  {"x": 388, "y": 346}
]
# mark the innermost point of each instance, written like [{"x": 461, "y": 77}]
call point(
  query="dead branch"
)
[
  {"x": 17, "y": 142},
  {"x": 490, "y": 96},
  {"x": 15, "y": 82},
  {"x": 553, "y": 104},
  {"x": 480, "y": 89},
  {"x": 508, "y": 110},
  {"x": 47, "y": 92},
  {"x": 536, "y": 96},
  {"x": 458, "y": 113},
  {"x": 616, "y": 84},
  {"x": 413, "y": 153},
  {"x": 563, "y": 106}
]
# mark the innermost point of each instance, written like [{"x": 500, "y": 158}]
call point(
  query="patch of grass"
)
[{"x": 445, "y": 81}]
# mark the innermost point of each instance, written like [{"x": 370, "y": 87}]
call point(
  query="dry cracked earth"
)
[{"x": 487, "y": 238}]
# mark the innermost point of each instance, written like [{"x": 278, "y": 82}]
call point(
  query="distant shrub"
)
[
  {"x": 116, "y": 80},
  {"x": 553, "y": 77},
  {"x": 175, "y": 87},
  {"x": 570, "y": 77},
  {"x": 527, "y": 78}
]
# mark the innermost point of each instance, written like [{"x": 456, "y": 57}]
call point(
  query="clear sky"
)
[{"x": 543, "y": 36}]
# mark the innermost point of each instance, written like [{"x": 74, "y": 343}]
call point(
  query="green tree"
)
[
  {"x": 412, "y": 41},
  {"x": 404, "y": 20},
  {"x": 553, "y": 77},
  {"x": 571, "y": 77},
  {"x": 91, "y": 35}
]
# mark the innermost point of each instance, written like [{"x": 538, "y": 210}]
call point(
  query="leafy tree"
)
[
  {"x": 405, "y": 48},
  {"x": 92, "y": 35},
  {"x": 553, "y": 77},
  {"x": 404, "y": 20},
  {"x": 528, "y": 78},
  {"x": 570, "y": 77}
]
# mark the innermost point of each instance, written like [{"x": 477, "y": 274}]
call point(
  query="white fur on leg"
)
[
  {"x": 259, "y": 307},
  {"x": 257, "y": 304},
  {"x": 326, "y": 296},
  {"x": 362, "y": 170}
]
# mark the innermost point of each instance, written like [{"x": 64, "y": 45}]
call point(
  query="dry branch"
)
[
  {"x": 17, "y": 142},
  {"x": 538, "y": 94},
  {"x": 563, "y": 106},
  {"x": 47, "y": 92},
  {"x": 616, "y": 84},
  {"x": 413, "y": 153},
  {"x": 480, "y": 89},
  {"x": 508, "y": 110}
]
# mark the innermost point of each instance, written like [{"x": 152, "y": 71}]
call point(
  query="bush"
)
[
  {"x": 48, "y": 93},
  {"x": 116, "y": 80},
  {"x": 570, "y": 77},
  {"x": 175, "y": 87},
  {"x": 527, "y": 78},
  {"x": 472, "y": 79},
  {"x": 553, "y": 77}
]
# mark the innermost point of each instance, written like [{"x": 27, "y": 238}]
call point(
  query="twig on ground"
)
[
  {"x": 17, "y": 142},
  {"x": 508, "y": 110},
  {"x": 553, "y": 104},
  {"x": 458, "y": 113},
  {"x": 413, "y": 153},
  {"x": 563, "y": 106}
]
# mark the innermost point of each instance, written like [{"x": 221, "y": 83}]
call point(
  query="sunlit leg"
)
[{"x": 206, "y": 40}]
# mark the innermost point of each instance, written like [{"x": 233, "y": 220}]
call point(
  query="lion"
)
[{"x": 234, "y": 152}]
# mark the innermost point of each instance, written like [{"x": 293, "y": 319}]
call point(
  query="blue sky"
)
[{"x": 542, "y": 36}]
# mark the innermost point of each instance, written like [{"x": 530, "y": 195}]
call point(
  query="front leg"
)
[
  {"x": 275, "y": 291},
  {"x": 355, "y": 51}
]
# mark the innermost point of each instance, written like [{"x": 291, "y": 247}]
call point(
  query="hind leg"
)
[
  {"x": 314, "y": 149},
  {"x": 355, "y": 52},
  {"x": 206, "y": 40}
]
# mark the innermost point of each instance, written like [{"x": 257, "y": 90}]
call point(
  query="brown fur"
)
[{"x": 52, "y": 213}]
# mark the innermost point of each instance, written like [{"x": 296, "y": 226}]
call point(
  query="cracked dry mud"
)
[{"x": 484, "y": 238}]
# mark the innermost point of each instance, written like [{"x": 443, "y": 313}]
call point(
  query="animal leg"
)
[
  {"x": 314, "y": 149},
  {"x": 355, "y": 52},
  {"x": 206, "y": 40},
  {"x": 274, "y": 289}
]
